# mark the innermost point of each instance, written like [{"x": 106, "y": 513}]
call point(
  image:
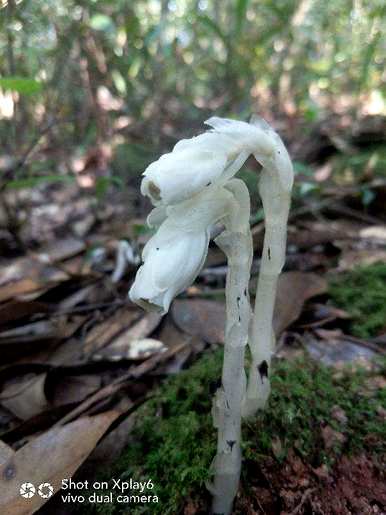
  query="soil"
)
[{"x": 353, "y": 486}]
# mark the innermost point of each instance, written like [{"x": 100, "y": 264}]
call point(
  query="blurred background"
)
[{"x": 93, "y": 91}]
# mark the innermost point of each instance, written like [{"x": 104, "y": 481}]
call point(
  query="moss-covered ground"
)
[
  {"x": 362, "y": 292},
  {"x": 316, "y": 419},
  {"x": 173, "y": 441}
]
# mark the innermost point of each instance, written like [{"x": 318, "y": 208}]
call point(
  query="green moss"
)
[
  {"x": 174, "y": 440},
  {"x": 362, "y": 292}
]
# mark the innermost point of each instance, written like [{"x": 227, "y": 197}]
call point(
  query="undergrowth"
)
[{"x": 173, "y": 441}]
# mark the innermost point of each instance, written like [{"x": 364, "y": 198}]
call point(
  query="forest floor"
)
[{"x": 90, "y": 380}]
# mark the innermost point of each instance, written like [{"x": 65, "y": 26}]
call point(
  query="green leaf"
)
[
  {"x": 241, "y": 10},
  {"x": 31, "y": 182},
  {"x": 22, "y": 85},
  {"x": 212, "y": 26}
]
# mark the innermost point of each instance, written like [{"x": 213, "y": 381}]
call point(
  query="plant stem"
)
[
  {"x": 237, "y": 245},
  {"x": 276, "y": 202}
]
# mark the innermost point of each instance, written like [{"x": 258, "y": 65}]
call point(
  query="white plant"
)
[{"x": 193, "y": 187}]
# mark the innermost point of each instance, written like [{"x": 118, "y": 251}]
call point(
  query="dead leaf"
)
[
  {"x": 88, "y": 293},
  {"x": 198, "y": 317},
  {"x": 337, "y": 351},
  {"x": 322, "y": 314},
  {"x": 27, "y": 275},
  {"x": 120, "y": 346},
  {"x": 25, "y": 396},
  {"x": 63, "y": 388},
  {"x": 173, "y": 338},
  {"x": 6, "y": 453},
  {"x": 16, "y": 344},
  {"x": 101, "y": 334},
  {"x": 59, "y": 250},
  {"x": 15, "y": 310},
  {"x": 42, "y": 330},
  {"x": 293, "y": 289},
  {"x": 51, "y": 457}
]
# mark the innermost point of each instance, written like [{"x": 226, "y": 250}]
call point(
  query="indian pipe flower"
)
[
  {"x": 187, "y": 186},
  {"x": 213, "y": 158}
]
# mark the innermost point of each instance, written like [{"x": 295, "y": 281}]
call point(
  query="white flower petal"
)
[
  {"x": 261, "y": 140},
  {"x": 179, "y": 175},
  {"x": 249, "y": 137},
  {"x": 172, "y": 261}
]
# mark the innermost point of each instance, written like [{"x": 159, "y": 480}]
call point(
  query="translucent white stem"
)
[
  {"x": 237, "y": 245},
  {"x": 276, "y": 202}
]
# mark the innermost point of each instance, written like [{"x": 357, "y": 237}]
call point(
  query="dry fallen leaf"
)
[
  {"x": 122, "y": 346},
  {"x": 49, "y": 458},
  {"x": 59, "y": 250},
  {"x": 15, "y": 310},
  {"x": 101, "y": 334},
  {"x": 27, "y": 275},
  {"x": 25, "y": 396},
  {"x": 294, "y": 288},
  {"x": 203, "y": 318},
  {"x": 335, "y": 350},
  {"x": 65, "y": 388},
  {"x": 6, "y": 453}
]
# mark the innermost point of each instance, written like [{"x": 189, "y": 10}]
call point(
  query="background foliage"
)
[{"x": 86, "y": 71}]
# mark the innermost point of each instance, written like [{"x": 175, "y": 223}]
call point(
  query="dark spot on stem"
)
[
  {"x": 209, "y": 183},
  {"x": 231, "y": 443},
  {"x": 263, "y": 370},
  {"x": 269, "y": 253},
  {"x": 245, "y": 292},
  {"x": 214, "y": 386},
  {"x": 157, "y": 248},
  {"x": 227, "y": 404},
  {"x": 239, "y": 318}
]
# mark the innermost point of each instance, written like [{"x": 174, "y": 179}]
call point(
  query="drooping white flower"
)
[
  {"x": 188, "y": 186},
  {"x": 174, "y": 256},
  {"x": 213, "y": 158},
  {"x": 172, "y": 260}
]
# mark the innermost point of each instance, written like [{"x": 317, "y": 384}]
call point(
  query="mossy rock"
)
[{"x": 173, "y": 441}]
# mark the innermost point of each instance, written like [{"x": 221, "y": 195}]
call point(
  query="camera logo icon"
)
[{"x": 27, "y": 490}]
